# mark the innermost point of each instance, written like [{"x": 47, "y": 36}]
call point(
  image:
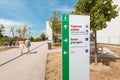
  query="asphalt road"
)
[{"x": 13, "y": 66}]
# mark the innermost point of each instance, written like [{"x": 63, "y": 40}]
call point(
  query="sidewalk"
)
[
  {"x": 25, "y": 67},
  {"x": 106, "y": 50}
]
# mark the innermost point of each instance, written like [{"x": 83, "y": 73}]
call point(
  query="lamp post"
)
[
  {"x": 12, "y": 30},
  {"x": 29, "y": 32}
]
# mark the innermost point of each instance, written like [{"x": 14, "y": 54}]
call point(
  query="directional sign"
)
[
  {"x": 65, "y": 52},
  {"x": 65, "y": 19},
  {"x": 75, "y": 47},
  {"x": 66, "y": 40},
  {"x": 65, "y": 26}
]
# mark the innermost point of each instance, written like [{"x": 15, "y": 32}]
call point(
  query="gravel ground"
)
[{"x": 97, "y": 72}]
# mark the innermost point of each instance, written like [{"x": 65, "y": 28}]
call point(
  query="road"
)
[{"x": 25, "y": 67}]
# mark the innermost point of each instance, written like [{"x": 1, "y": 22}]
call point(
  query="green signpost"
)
[{"x": 65, "y": 47}]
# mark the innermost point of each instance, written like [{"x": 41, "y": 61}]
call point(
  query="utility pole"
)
[
  {"x": 12, "y": 30},
  {"x": 29, "y": 31}
]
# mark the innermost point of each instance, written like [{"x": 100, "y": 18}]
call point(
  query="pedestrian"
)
[
  {"x": 19, "y": 39},
  {"x": 10, "y": 43},
  {"x": 28, "y": 44},
  {"x": 13, "y": 43},
  {"x": 21, "y": 46}
]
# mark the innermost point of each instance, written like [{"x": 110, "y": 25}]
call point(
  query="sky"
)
[{"x": 33, "y": 13}]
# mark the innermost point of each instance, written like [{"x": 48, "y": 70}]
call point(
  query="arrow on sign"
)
[
  {"x": 66, "y": 40},
  {"x": 65, "y": 18},
  {"x": 65, "y": 52},
  {"x": 65, "y": 26}
]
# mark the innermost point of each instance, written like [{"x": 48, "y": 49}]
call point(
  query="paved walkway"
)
[
  {"x": 25, "y": 67},
  {"x": 106, "y": 50}
]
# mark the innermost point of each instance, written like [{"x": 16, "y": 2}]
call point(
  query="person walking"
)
[
  {"x": 10, "y": 43},
  {"x": 21, "y": 46},
  {"x": 13, "y": 43},
  {"x": 28, "y": 44}
]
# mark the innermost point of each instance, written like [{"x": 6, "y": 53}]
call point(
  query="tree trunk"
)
[{"x": 96, "y": 47}]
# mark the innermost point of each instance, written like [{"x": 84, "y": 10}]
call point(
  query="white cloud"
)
[
  {"x": 64, "y": 9},
  {"x": 53, "y": 3},
  {"x": 8, "y": 23},
  {"x": 55, "y": 6}
]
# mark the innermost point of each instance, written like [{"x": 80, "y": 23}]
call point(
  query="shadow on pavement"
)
[
  {"x": 11, "y": 60},
  {"x": 22, "y": 55}
]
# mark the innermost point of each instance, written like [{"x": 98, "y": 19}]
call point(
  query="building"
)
[
  {"x": 48, "y": 31},
  {"x": 111, "y": 34}
]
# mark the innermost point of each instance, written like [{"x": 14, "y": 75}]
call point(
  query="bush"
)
[
  {"x": 42, "y": 37},
  {"x": 35, "y": 39},
  {"x": 57, "y": 44},
  {"x": 2, "y": 40}
]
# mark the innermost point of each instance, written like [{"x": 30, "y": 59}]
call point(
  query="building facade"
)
[{"x": 48, "y": 31}]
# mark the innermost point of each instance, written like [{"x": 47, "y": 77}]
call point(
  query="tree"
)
[
  {"x": 19, "y": 31},
  {"x": 55, "y": 23},
  {"x": 32, "y": 38},
  {"x": 100, "y": 11},
  {"x": 22, "y": 31},
  {"x": 15, "y": 38},
  {"x": 1, "y": 30},
  {"x": 42, "y": 36}
]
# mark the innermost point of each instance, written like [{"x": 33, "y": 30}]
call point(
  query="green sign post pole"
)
[{"x": 65, "y": 47}]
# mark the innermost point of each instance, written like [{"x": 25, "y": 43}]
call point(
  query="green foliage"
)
[
  {"x": 1, "y": 30},
  {"x": 2, "y": 40},
  {"x": 16, "y": 38},
  {"x": 32, "y": 39},
  {"x": 55, "y": 22},
  {"x": 100, "y": 12},
  {"x": 55, "y": 38},
  {"x": 35, "y": 39},
  {"x": 19, "y": 31},
  {"x": 42, "y": 36},
  {"x": 22, "y": 31},
  {"x": 57, "y": 44}
]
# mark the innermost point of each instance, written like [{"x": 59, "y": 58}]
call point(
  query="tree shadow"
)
[
  {"x": 21, "y": 55},
  {"x": 11, "y": 60}
]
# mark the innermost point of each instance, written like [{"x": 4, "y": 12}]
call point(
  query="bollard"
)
[{"x": 49, "y": 46}]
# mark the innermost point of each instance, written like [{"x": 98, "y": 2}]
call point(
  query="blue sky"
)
[{"x": 33, "y": 13}]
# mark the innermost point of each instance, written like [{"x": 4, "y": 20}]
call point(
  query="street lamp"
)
[
  {"x": 12, "y": 30},
  {"x": 29, "y": 33}
]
